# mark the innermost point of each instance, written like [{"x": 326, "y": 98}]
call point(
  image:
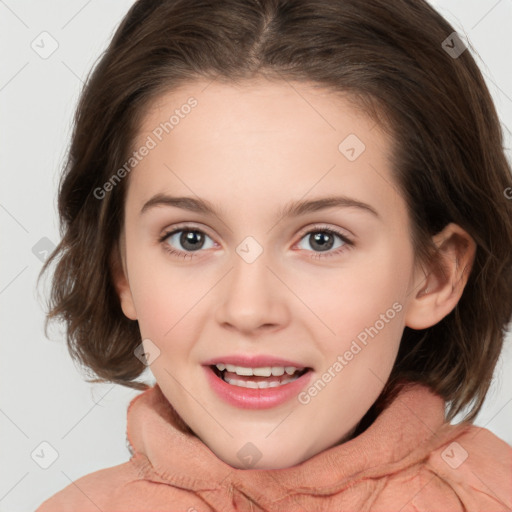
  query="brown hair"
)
[{"x": 449, "y": 163}]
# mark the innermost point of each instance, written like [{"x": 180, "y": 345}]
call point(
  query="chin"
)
[{"x": 255, "y": 458}]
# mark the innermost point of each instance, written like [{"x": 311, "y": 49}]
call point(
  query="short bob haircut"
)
[{"x": 392, "y": 59}]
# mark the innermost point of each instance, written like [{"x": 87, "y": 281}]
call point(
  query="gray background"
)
[{"x": 43, "y": 396}]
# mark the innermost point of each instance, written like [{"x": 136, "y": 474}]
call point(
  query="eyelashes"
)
[
  {"x": 181, "y": 254},
  {"x": 332, "y": 235}
]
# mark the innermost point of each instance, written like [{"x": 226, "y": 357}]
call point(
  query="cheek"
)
[
  {"x": 166, "y": 296},
  {"x": 151, "y": 288},
  {"x": 363, "y": 303},
  {"x": 366, "y": 287}
]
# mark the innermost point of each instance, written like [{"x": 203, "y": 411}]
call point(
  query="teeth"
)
[
  {"x": 262, "y": 384},
  {"x": 265, "y": 371},
  {"x": 262, "y": 372}
]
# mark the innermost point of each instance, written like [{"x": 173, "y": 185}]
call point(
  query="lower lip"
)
[{"x": 249, "y": 398}]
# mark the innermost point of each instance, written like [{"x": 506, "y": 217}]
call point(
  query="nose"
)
[{"x": 253, "y": 298}]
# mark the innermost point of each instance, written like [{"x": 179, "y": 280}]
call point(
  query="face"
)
[{"x": 301, "y": 262}]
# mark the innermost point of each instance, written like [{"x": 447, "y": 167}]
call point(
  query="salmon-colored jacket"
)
[{"x": 408, "y": 460}]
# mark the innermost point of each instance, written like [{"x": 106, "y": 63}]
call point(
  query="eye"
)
[
  {"x": 190, "y": 239},
  {"x": 322, "y": 239}
]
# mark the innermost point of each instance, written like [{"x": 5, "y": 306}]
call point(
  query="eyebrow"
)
[{"x": 295, "y": 208}]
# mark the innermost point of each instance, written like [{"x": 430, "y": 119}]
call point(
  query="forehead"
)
[
  {"x": 262, "y": 107},
  {"x": 260, "y": 139}
]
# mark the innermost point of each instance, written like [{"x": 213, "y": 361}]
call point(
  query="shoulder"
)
[
  {"x": 459, "y": 468},
  {"x": 476, "y": 466},
  {"x": 91, "y": 492},
  {"x": 132, "y": 486}
]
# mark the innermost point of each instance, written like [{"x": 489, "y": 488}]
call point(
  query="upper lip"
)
[{"x": 255, "y": 361}]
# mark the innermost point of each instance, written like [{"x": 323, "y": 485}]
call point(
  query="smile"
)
[
  {"x": 258, "y": 378},
  {"x": 258, "y": 387}
]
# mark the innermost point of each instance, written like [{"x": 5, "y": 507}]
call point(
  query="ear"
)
[
  {"x": 440, "y": 291},
  {"x": 120, "y": 279}
]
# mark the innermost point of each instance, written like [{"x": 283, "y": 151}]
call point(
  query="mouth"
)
[
  {"x": 257, "y": 387},
  {"x": 257, "y": 378}
]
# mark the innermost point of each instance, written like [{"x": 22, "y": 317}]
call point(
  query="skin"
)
[{"x": 249, "y": 150}]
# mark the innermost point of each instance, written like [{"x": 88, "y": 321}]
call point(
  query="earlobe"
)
[
  {"x": 440, "y": 291},
  {"x": 121, "y": 284}
]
